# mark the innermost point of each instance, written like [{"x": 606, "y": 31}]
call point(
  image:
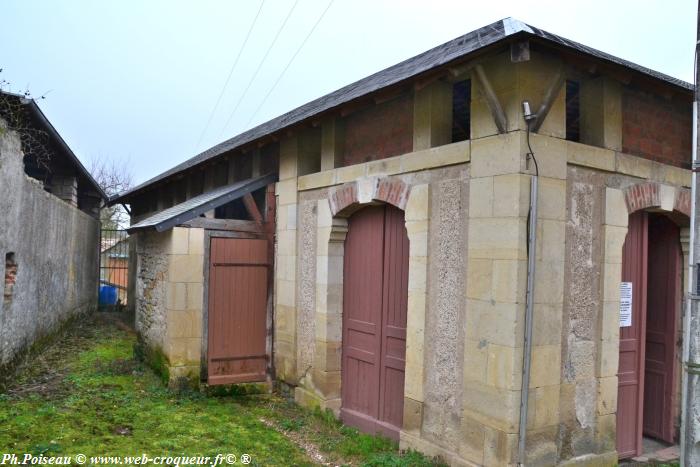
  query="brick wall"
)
[
  {"x": 10, "y": 276},
  {"x": 656, "y": 128},
  {"x": 380, "y": 131}
]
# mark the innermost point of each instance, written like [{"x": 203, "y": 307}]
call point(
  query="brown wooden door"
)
[
  {"x": 663, "y": 301},
  {"x": 630, "y": 374},
  {"x": 375, "y": 296},
  {"x": 238, "y": 294}
]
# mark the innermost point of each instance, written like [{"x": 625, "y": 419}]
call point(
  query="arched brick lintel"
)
[
  {"x": 388, "y": 190},
  {"x": 655, "y": 195},
  {"x": 682, "y": 202}
]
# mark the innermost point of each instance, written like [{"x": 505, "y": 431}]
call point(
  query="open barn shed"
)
[{"x": 388, "y": 271}]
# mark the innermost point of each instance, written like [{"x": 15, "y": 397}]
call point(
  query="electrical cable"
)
[
  {"x": 289, "y": 63},
  {"x": 230, "y": 73},
  {"x": 257, "y": 70},
  {"x": 531, "y": 154}
]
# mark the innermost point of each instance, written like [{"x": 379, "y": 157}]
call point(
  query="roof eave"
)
[
  {"x": 248, "y": 186},
  {"x": 488, "y": 38},
  {"x": 39, "y": 115}
]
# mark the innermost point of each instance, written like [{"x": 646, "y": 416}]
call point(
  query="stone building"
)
[
  {"x": 49, "y": 230},
  {"x": 385, "y": 276}
]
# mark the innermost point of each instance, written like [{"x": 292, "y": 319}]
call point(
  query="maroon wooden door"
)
[
  {"x": 237, "y": 317},
  {"x": 630, "y": 373},
  {"x": 663, "y": 301},
  {"x": 362, "y": 305},
  {"x": 375, "y": 296}
]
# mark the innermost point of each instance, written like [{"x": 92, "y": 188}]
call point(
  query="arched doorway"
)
[
  {"x": 375, "y": 296},
  {"x": 648, "y": 362}
]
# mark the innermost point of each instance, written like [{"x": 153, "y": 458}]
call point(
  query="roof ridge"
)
[{"x": 513, "y": 26}]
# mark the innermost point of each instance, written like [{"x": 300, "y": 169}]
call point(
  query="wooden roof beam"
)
[
  {"x": 499, "y": 116},
  {"x": 252, "y": 208},
  {"x": 549, "y": 98}
]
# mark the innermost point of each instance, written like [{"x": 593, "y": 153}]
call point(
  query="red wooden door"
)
[
  {"x": 362, "y": 304},
  {"x": 630, "y": 374},
  {"x": 375, "y": 296},
  {"x": 237, "y": 317},
  {"x": 663, "y": 301},
  {"x": 394, "y": 315}
]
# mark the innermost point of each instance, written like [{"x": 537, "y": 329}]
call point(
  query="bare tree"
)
[{"x": 113, "y": 177}]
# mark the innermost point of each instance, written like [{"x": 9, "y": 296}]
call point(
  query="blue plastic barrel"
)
[{"x": 108, "y": 295}]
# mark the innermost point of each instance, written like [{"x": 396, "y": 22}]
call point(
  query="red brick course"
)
[
  {"x": 682, "y": 203},
  {"x": 381, "y": 131},
  {"x": 656, "y": 128},
  {"x": 10, "y": 279},
  {"x": 647, "y": 195},
  {"x": 342, "y": 197},
  {"x": 392, "y": 191},
  {"x": 642, "y": 196},
  {"x": 388, "y": 190}
]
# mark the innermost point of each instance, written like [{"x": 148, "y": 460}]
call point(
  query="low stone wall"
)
[
  {"x": 169, "y": 299},
  {"x": 48, "y": 257}
]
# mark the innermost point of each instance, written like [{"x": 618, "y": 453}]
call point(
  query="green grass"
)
[{"x": 86, "y": 394}]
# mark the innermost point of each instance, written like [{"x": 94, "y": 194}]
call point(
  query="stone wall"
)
[
  {"x": 53, "y": 249},
  {"x": 169, "y": 300},
  {"x": 445, "y": 313},
  {"x": 582, "y": 307}
]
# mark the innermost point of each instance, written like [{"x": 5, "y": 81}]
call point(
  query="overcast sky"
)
[{"x": 137, "y": 80}]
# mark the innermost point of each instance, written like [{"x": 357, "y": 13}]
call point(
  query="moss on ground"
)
[{"x": 88, "y": 394}]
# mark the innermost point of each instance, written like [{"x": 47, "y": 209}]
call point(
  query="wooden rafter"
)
[
  {"x": 252, "y": 208},
  {"x": 499, "y": 116},
  {"x": 549, "y": 98}
]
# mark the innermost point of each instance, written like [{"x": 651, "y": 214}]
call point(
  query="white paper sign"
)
[{"x": 625, "y": 304}]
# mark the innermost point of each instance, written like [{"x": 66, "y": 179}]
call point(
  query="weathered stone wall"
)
[
  {"x": 169, "y": 300},
  {"x": 598, "y": 203},
  {"x": 55, "y": 248},
  {"x": 152, "y": 250},
  {"x": 581, "y": 313},
  {"x": 445, "y": 315},
  {"x": 306, "y": 317}
]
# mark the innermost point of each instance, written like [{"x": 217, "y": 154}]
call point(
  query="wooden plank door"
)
[
  {"x": 663, "y": 302},
  {"x": 362, "y": 304},
  {"x": 632, "y": 339},
  {"x": 394, "y": 315},
  {"x": 375, "y": 296},
  {"x": 237, "y": 312}
]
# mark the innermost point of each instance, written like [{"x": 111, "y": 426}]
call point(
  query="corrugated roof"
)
[
  {"x": 193, "y": 207},
  {"x": 433, "y": 58}
]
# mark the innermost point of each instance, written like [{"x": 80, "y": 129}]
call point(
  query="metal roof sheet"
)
[
  {"x": 440, "y": 55},
  {"x": 185, "y": 211}
]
